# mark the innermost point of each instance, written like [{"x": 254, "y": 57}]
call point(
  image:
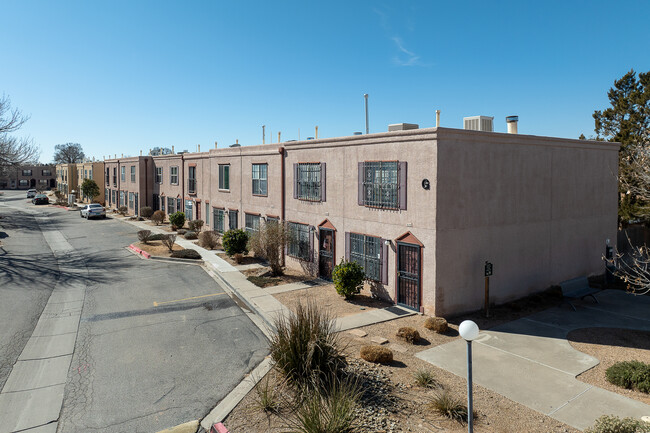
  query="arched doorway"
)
[{"x": 32, "y": 183}]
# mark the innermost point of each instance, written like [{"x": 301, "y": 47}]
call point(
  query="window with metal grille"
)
[
  {"x": 159, "y": 174},
  {"x": 260, "y": 179},
  {"x": 380, "y": 184},
  {"x": 366, "y": 251},
  {"x": 233, "y": 216},
  {"x": 133, "y": 173},
  {"x": 191, "y": 180},
  {"x": 309, "y": 181},
  {"x": 171, "y": 205},
  {"x": 130, "y": 200},
  {"x": 218, "y": 216},
  {"x": 251, "y": 223},
  {"x": 173, "y": 175},
  {"x": 298, "y": 244},
  {"x": 224, "y": 176}
]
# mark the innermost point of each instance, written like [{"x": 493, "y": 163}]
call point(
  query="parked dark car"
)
[{"x": 41, "y": 199}]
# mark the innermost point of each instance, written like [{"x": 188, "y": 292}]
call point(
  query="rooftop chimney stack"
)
[
  {"x": 140, "y": 152},
  {"x": 512, "y": 124},
  {"x": 215, "y": 144},
  {"x": 437, "y": 118},
  {"x": 316, "y": 132},
  {"x": 279, "y": 136},
  {"x": 198, "y": 146},
  {"x": 172, "y": 148}
]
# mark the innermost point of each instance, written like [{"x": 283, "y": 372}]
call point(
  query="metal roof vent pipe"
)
[
  {"x": 512, "y": 124},
  {"x": 437, "y": 118}
]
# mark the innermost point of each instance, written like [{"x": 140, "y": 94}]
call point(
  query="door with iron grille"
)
[
  {"x": 408, "y": 275},
  {"x": 326, "y": 253}
]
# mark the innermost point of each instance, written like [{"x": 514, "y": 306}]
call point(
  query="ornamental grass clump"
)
[
  {"x": 446, "y": 405},
  {"x": 408, "y": 334},
  {"x": 376, "y": 354},
  {"x": 306, "y": 348},
  {"x": 348, "y": 278},
  {"x": 425, "y": 379},
  {"x": 437, "y": 324}
]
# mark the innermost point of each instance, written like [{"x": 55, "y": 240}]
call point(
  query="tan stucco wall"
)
[{"x": 538, "y": 208}]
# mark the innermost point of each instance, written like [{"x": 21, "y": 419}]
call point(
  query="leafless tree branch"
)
[{"x": 633, "y": 268}]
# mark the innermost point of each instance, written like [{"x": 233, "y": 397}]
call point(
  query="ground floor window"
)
[
  {"x": 106, "y": 196},
  {"x": 122, "y": 201},
  {"x": 171, "y": 205},
  {"x": 188, "y": 209},
  {"x": 113, "y": 196},
  {"x": 162, "y": 204},
  {"x": 207, "y": 214},
  {"x": 130, "y": 200},
  {"x": 252, "y": 223},
  {"x": 218, "y": 216},
  {"x": 366, "y": 251},
  {"x": 23, "y": 182},
  {"x": 233, "y": 218},
  {"x": 156, "y": 202},
  {"x": 299, "y": 244}
]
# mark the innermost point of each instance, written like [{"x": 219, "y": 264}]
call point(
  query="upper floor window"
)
[
  {"x": 173, "y": 175},
  {"x": 252, "y": 223},
  {"x": 133, "y": 173},
  {"x": 27, "y": 172},
  {"x": 159, "y": 174},
  {"x": 382, "y": 184},
  {"x": 123, "y": 174},
  {"x": 46, "y": 172},
  {"x": 309, "y": 181},
  {"x": 86, "y": 174},
  {"x": 224, "y": 176},
  {"x": 114, "y": 176},
  {"x": 299, "y": 243},
  {"x": 108, "y": 176},
  {"x": 260, "y": 182},
  {"x": 191, "y": 180}
]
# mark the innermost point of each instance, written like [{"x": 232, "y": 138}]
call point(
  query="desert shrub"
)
[
  {"x": 305, "y": 346},
  {"x": 437, "y": 324},
  {"x": 269, "y": 242},
  {"x": 177, "y": 219},
  {"x": 614, "y": 424},
  {"x": 630, "y": 375},
  {"x": 157, "y": 237},
  {"x": 446, "y": 405},
  {"x": 376, "y": 354},
  {"x": 348, "y": 278},
  {"x": 239, "y": 258},
  {"x": 144, "y": 236},
  {"x": 181, "y": 232},
  {"x": 195, "y": 225},
  {"x": 122, "y": 210},
  {"x": 186, "y": 254},
  {"x": 235, "y": 242},
  {"x": 332, "y": 410},
  {"x": 425, "y": 379},
  {"x": 169, "y": 241},
  {"x": 409, "y": 334},
  {"x": 267, "y": 395},
  {"x": 190, "y": 235},
  {"x": 146, "y": 212},
  {"x": 209, "y": 239},
  {"x": 158, "y": 217}
]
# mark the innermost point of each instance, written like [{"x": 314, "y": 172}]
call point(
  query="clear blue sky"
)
[{"x": 121, "y": 76}]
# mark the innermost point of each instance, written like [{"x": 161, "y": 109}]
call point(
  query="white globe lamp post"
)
[{"x": 469, "y": 331}]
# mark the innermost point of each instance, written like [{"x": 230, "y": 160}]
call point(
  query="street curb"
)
[
  {"x": 223, "y": 409},
  {"x": 178, "y": 259},
  {"x": 144, "y": 254},
  {"x": 188, "y": 427}
]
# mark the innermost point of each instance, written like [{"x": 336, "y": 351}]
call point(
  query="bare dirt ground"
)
[
  {"x": 156, "y": 248},
  {"x": 259, "y": 277},
  {"x": 326, "y": 297},
  {"x": 610, "y": 346},
  {"x": 398, "y": 404},
  {"x": 247, "y": 260}
]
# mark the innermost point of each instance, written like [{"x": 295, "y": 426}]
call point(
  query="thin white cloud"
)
[{"x": 405, "y": 57}]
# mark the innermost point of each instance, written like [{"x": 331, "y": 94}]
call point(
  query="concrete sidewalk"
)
[{"x": 530, "y": 361}]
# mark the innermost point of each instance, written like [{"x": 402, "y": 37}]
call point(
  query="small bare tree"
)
[
  {"x": 633, "y": 268},
  {"x": 14, "y": 151},
  {"x": 268, "y": 242},
  {"x": 144, "y": 236},
  {"x": 169, "y": 242},
  {"x": 635, "y": 179}
]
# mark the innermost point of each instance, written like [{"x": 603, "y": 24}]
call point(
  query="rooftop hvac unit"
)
[{"x": 479, "y": 123}]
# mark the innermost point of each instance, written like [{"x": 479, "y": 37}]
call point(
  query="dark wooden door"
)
[
  {"x": 408, "y": 275},
  {"x": 326, "y": 254}
]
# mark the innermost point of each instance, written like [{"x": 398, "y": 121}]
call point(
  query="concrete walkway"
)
[{"x": 530, "y": 361}]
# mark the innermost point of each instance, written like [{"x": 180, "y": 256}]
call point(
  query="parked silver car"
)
[
  {"x": 93, "y": 210},
  {"x": 31, "y": 193}
]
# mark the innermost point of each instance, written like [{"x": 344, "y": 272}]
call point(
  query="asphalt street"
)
[{"x": 158, "y": 343}]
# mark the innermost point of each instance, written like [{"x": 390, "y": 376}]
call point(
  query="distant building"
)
[{"x": 39, "y": 176}]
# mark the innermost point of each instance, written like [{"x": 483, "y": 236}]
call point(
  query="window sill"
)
[
  {"x": 223, "y": 190},
  {"x": 260, "y": 195},
  {"x": 310, "y": 200}
]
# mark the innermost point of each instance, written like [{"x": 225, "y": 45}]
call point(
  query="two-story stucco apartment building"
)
[
  {"x": 91, "y": 170},
  {"x": 66, "y": 178},
  {"x": 420, "y": 209},
  {"x": 39, "y": 176}
]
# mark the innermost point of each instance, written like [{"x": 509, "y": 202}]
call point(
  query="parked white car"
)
[
  {"x": 31, "y": 193},
  {"x": 92, "y": 210}
]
